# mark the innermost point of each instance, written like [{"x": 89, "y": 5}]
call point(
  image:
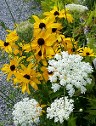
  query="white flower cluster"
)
[
  {"x": 26, "y": 112},
  {"x": 60, "y": 109},
  {"x": 76, "y": 7},
  {"x": 69, "y": 71}
]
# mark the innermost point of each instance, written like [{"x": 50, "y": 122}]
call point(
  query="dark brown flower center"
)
[
  {"x": 6, "y": 43},
  {"x": 87, "y": 53},
  {"x": 42, "y": 25},
  {"x": 12, "y": 67},
  {"x": 54, "y": 29},
  {"x": 27, "y": 76},
  {"x": 73, "y": 49},
  {"x": 56, "y": 13},
  {"x": 40, "y": 53},
  {"x": 41, "y": 41},
  {"x": 50, "y": 72}
]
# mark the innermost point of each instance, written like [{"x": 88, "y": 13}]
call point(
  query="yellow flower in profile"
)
[
  {"x": 6, "y": 46},
  {"x": 69, "y": 45},
  {"x": 27, "y": 75},
  {"x": 43, "y": 43},
  {"x": 45, "y": 73},
  {"x": 11, "y": 68},
  {"x": 67, "y": 15},
  {"x": 44, "y": 24},
  {"x": 16, "y": 50},
  {"x": 85, "y": 51},
  {"x": 26, "y": 47},
  {"x": 12, "y": 37},
  {"x": 56, "y": 12}
]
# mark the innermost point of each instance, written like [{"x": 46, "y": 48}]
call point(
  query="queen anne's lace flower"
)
[
  {"x": 60, "y": 109},
  {"x": 76, "y": 7},
  {"x": 69, "y": 71},
  {"x": 26, "y": 112}
]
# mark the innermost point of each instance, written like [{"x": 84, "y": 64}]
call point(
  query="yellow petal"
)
[
  {"x": 34, "y": 85},
  {"x": 23, "y": 87},
  {"x": 36, "y": 18},
  {"x": 1, "y": 43},
  {"x": 49, "y": 51},
  {"x": 9, "y": 76}
]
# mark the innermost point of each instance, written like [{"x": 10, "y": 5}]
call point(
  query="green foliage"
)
[
  {"x": 90, "y": 4},
  {"x": 49, "y": 4},
  {"x": 24, "y": 30},
  {"x": 3, "y": 25},
  {"x": 1, "y": 123},
  {"x": 72, "y": 121},
  {"x": 39, "y": 1},
  {"x": 91, "y": 117}
]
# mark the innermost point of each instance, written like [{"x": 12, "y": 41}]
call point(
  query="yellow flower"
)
[
  {"x": 85, "y": 51},
  {"x": 69, "y": 45},
  {"x": 54, "y": 13},
  {"x": 43, "y": 43},
  {"x": 7, "y": 46},
  {"x": 43, "y": 24},
  {"x": 11, "y": 68},
  {"x": 26, "y": 47},
  {"x": 16, "y": 50},
  {"x": 45, "y": 73},
  {"x": 12, "y": 37},
  {"x": 59, "y": 13},
  {"x": 27, "y": 75},
  {"x": 67, "y": 16}
]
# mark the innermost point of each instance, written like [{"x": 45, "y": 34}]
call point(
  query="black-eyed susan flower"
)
[
  {"x": 27, "y": 75},
  {"x": 69, "y": 44},
  {"x": 44, "y": 24},
  {"x": 57, "y": 13},
  {"x": 9, "y": 42},
  {"x": 85, "y": 51},
  {"x": 12, "y": 67},
  {"x": 6, "y": 46},
  {"x": 54, "y": 13},
  {"x": 43, "y": 43},
  {"x": 45, "y": 73}
]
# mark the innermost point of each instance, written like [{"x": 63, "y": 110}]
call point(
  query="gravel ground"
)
[
  {"x": 8, "y": 95},
  {"x": 20, "y": 11}
]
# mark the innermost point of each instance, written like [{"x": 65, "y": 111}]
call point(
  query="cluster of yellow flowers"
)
[{"x": 29, "y": 61}]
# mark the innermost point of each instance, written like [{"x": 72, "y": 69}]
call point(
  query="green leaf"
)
[
  {"x": 72, "y": 121},
  {"x": 3, "y": 25}
]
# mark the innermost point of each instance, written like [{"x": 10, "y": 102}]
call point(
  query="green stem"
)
[{"x": 85, "y": 97}]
